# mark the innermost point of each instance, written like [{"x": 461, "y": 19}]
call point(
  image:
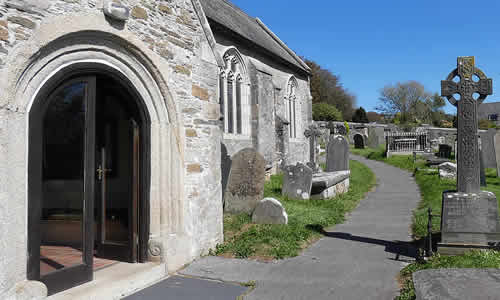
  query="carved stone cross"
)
[
  {"x": 312, "y": 133},
  {"x": 467, "y": 141}
]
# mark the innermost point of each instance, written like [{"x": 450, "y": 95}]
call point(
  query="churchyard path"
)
[{"x": 359, "y": 259}]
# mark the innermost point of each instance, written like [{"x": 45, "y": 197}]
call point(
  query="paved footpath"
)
[{"x": 359, "y": 259}]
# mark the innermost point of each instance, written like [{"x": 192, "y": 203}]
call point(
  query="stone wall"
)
[{"x": 164, "y": 44}]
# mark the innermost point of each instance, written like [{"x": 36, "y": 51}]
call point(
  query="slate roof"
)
[{"x": 233, "y": 18}]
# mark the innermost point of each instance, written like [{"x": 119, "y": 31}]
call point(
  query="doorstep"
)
[{"x": 115, "y": 282}]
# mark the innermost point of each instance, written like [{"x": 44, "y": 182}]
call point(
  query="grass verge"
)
[
  {"x": 306, "y": 219},
  {"x": 431, "y": 189}
]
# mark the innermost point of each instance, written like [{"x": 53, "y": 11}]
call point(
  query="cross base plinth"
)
[{"x": 468, "y": 221}]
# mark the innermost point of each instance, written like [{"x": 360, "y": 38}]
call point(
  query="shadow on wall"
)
[{"x": 225, "y": 162}]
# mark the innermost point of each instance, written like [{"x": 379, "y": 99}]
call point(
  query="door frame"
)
[{"x": 34, "y": 149}]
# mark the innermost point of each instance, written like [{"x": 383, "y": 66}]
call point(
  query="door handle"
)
[{"x": 101, "y": 172}]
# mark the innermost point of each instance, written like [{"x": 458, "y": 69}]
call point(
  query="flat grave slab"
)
[
  {"x": 328, "y": 184},
  {"x": 185, "y": 288},
  {"x": 463, "y": 284}
]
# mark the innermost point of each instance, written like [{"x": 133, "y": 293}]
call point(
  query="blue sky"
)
[{"x": 371, "y": 44}]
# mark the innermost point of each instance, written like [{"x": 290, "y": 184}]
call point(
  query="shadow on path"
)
[{"x": 399, "y": 248}]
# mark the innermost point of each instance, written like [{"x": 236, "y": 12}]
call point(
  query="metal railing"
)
[{"x": 405, "y": 142}]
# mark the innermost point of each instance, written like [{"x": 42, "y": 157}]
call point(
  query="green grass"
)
[
  {"x": 431, "y": 189},
  {"x": 306, "y": 219}
]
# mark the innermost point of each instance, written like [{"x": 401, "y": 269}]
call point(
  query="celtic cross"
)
[
  {"x": 467, "y": 139},
  {"x": 312, "y": 133}
]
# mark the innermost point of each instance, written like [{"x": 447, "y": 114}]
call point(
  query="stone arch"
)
[
  {"x": 359, "y": 141},
  {"x": 54, "y": 50}
]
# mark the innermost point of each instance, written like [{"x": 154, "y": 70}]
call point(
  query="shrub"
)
[{"x": 325, "y": 112}]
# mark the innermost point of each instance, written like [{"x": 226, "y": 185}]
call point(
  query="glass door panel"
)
[{"x": 61, "y": 195}]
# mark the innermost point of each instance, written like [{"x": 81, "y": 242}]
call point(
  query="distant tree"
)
[
  {"x": 326, "y": 88},
  {"x": 325, "y": 112},
  {"x": 409, "y": 99},
  {"x": 374, "y": 116},
  {"x": 359, "y": 116}
]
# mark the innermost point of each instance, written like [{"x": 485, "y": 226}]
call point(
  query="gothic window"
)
[
  {"x": 234, "y": 95},
  {"x": 230, "y": 119},
  {"x": 292, "y": 107},
  {"x": 238, "y": 105}
]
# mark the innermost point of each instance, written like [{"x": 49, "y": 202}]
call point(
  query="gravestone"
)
[
  {"x": 313, "y": 134},
  {"x": 359, "y": 142},
  {"x": 444, "y": 151},
  {"x": 337, "y": 154},
  {"x": 482, "y": 171},
  {"x": 245, "y": 187},
  {"x": 496, "y": 144},
  {"x": 469, "y": 216},
  {"x": 488, "y": 148},
  {"x": 269, "y": 211},
  {"x": 297, "y": 182},
  {"x": 375, "y": 137}
]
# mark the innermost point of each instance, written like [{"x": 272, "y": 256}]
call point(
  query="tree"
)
[
  {"x": 325, "y": 112},
  {"x": 326, "y": 88},
  {"x": 409, "y": 99},
  {"x": 360, "y": 116}
]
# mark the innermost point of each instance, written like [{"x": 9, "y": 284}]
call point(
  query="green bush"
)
[{"x": 325, "y": 112}]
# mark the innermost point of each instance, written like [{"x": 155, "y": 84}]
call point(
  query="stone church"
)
[{"x": 114, "y": 116}]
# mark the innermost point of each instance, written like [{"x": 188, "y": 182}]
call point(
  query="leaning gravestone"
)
[
  {"x": 297, "y": 182},
  {"x": 245, "y": 187},
  {"x": 337, "y": 154},
  {"x": 469, "y": 216}
]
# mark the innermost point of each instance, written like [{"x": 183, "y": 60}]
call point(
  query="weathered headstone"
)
[
  {"x": 337, "y": 154},
  {"x": 245, "y": 187},
  {"x": 375, "y": 137},
  {"x": 469, "y": 216},
  {"x": 359, "y": 141},
  {"x": 297, "y": 182},
  {"x": 488, "y": 148},
  {"x": 269, "y": 211},
  {"x": 482, "y": 171},
  {"x": 496, "y": 144},
  {"x": 313, "y": 134}
]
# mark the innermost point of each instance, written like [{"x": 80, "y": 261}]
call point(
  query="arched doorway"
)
[
  {"x": 88, "y": 177},
  {"x": 359, "y": 141}
]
